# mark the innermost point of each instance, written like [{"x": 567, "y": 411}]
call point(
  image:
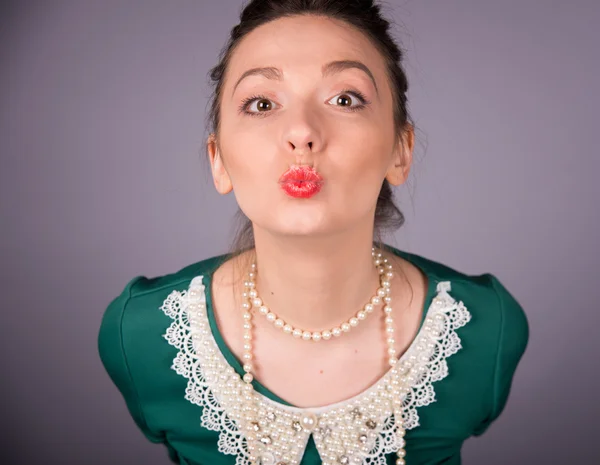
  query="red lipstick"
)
[{"x": 301, "y": 181}]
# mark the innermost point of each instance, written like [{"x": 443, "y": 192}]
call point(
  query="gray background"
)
[{"x": 101, "y": 132}]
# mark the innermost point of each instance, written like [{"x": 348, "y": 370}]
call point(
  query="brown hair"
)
[{"x": 363, "y": 15}]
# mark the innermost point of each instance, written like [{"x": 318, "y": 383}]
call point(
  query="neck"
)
[{"x": 315, "y": 283}]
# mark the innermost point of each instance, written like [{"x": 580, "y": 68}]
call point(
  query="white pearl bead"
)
[
  {"x": 391, "y": 351},
  {"x": 263, "y": 310},
  {"x": 248, "y": 378},
  {"x": 257, "y": 301},
  {"x": 387, "y": 299},
  {"x": 306, "y": 335},
  {"x": 389, "y": 329},
  {"x": 387, "y": 309},
  {"x": 369, "y": 308},
  {"x": 316, "y": 336},
  {"x": 246, "y": 306},
  {"x": 326, "y": 335},
  {"x": 346, "y": 327},
  {"x": 287, "y": 329},
  {"x": 296, "y": 333},
  {"x": 279, "y": 323},
  {"x": 248, "y": 356},
  {"x": 271, "y": 317},
  {"x": 337, "y": 332},
  {"x": 389, "y": 320},
  {"x": 248, "y": 367},
  {"x": 361, "y": 315},
  {"x": 381, "y": 292},
  {"x": 247, "y": 316},
  {"x": 309, "y": 421}
]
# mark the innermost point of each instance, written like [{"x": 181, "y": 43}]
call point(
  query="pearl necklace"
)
[
  {"x": 316, "y": 336},
  {"x": 309, "y": 422}
]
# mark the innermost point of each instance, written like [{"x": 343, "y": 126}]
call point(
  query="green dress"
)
[{"x": 142, "y": 340}]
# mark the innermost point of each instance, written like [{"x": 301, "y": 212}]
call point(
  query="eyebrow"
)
[{"x": 328, "y": 69}]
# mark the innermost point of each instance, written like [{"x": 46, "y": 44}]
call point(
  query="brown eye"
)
[
  {"x": 263, "y": 104},
  {"x": 349, "y": 100},
  {"x": 344, "y": 100}
]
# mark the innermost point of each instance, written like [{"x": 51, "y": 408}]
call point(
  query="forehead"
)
[{"x": 303, "y": 42}]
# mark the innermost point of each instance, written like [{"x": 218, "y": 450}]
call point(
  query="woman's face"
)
[{"x": 298, "y": 115}]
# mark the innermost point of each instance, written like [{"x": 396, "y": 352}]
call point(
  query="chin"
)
[{"x": 299, "y": 228}]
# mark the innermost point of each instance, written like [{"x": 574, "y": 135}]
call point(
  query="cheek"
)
[
  {"x": 359, "y": 169},
  {"x": 246, "y": 158},
  {"x": 363, "y": 157},
  {"x": 253, "y": 171}
]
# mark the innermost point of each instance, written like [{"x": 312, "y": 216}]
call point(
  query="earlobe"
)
[
  {"x": 402, "y": 159},
  {"x": 219, "y": 173},
  {"x": 396, "y": 175}
]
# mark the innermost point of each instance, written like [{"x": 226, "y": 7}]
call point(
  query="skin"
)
[{"x": 313, "y": 255}]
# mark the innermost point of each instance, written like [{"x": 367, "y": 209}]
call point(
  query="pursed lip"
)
[{"x": 300, "y": 174}]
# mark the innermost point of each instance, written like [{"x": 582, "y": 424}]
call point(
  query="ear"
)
[
  {"x": 402, "y": 157},
  {"x": 217, "y": 167}
]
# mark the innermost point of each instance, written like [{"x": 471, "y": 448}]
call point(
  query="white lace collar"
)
[{"x": 215, "y": 386}]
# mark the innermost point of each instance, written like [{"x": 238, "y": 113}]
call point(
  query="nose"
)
[
  {"x": 302, "y": 135},
  {"x": 304, "y": 148}
]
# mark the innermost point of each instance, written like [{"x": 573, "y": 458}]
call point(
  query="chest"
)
[
  {"x": 317, "y": 376},
  {"x": 308, "y": 374}
]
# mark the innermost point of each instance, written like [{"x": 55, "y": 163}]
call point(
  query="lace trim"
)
[{"x": 215, "y": 386}]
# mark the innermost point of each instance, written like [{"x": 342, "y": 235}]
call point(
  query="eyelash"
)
[{"x": 246, "y": 103}]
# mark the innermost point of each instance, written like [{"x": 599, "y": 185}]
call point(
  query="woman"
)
[{"x": 313, "y": 341}]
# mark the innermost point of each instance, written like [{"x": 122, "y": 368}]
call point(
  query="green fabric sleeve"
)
[
  {"x": 513, "y": 337},
  {"x": 114, "y": 359}
]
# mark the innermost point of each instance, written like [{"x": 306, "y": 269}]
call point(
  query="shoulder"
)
[
  {"x": 495, "y": 310},
  {"x": 143, "y": 285},
  {"x": 133, "y": 314}
]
